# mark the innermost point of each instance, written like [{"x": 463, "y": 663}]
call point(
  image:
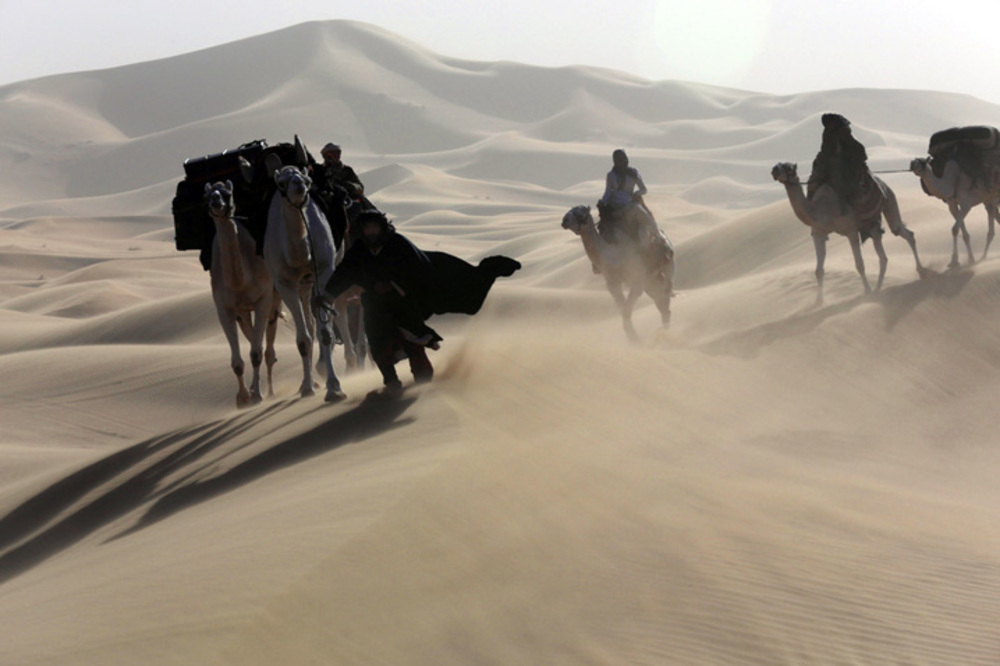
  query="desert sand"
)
[{"x": 767, "y": 481}]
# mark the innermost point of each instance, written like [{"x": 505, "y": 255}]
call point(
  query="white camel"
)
[
  {"x": 824, "y": 214},
  {"x": 300, "y": 253},
  {"x": 243, "y": 292},
  {"x": 957, "y": 189},
  {"x": 621, "y": 263}
]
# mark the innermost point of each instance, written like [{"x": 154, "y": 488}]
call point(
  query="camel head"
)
[
  {"x": 919, "y": 165},
  {"x": 786, "y": 173},
  {"x": 293, "y": 184},
  {"x": 220, "y": 199},
  {"x": 577, "y": 218}
]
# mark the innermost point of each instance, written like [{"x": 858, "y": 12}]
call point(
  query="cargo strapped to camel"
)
[
  {"x": 975, "y": 148},
  {"x": 250, "y": 168},
  {"x": 193, "y": 228}
]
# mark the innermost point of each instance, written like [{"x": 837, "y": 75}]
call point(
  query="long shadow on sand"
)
[
  {"x": 125, "y": 481},
  {"x": 897, "y": 303}
]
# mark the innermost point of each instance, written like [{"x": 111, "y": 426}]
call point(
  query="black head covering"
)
[{"x": 835, "y": 121}]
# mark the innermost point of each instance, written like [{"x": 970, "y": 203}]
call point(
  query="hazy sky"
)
[{"x": 776, "y": 46}]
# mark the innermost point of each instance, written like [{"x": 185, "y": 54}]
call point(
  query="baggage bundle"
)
[
  {"x": 193, "y": 228},
  {"x": 979, "y": 137},
  {"x": 975, "y": 148}
]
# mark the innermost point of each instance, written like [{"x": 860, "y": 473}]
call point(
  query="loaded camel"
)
[
  {"x": 621, "y": 263},
  {"x": 301, "y": 255},
  {"x": 958, "y": 189},
  {"x": 348, "y": 311},
  {"x": 244, "y": 294},
  {"x": 824, "y": 215}
]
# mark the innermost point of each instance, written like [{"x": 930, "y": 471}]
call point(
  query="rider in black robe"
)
[
  {"x": 403, "y": 287},
  {"x": 841, "y": 163}
]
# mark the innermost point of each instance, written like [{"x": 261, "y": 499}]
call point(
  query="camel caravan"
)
[
  {"x": 846, "y": 198},
  {"x": 272, "y": 227},
  {"x": 270, "y": 238}
]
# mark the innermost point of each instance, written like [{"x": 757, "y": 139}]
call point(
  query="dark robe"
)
[
  {"x": 842, "y": 163},
  {"x": 436, "y": 282},
  {"x": 404, "y": 286}
]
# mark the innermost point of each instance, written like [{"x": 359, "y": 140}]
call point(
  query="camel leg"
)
[
  {"x": 261, "y": 323},
  {"x": 229, "y": 327},
  {"x": 343, "y": 324},
  {"x": 250, "y": 332},
  {"x": 898, "y": 228},
  {"x": 959, "y": 213},
  {"x": 991, "y": 213},
  {"x": 883, "y": 261},
  {"x": 661, "y": 292},
  {"x": 624, "y": 306},
  {"x": 859, "y": 262},
  {"x": 303, "y": 335},
  {"x": 819, "y": 242},
  {"x": 324, "y": 331},
  {"x": 634, "y": 293},
  {"x": 270, "y": 357},
  {"x": 911, "y": 238},
  {"x": 662, "y": 298}
]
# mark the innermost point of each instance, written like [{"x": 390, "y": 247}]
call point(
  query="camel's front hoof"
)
[
  {"x": 307, "y": 392},
  {"x": 335, "y": 396}
]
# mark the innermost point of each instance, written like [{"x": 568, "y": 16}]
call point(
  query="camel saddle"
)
[{"x": 867, "y": 204}]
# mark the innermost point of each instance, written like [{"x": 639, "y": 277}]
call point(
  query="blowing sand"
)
[{"x": 766, "y": 482}]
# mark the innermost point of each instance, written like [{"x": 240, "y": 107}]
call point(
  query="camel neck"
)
[
  {"x": 296, "y": 234},
  {"x": 591, "y": 243},
  {"x": 797, "y": 199},
  {"x": 229, "y": 255}
]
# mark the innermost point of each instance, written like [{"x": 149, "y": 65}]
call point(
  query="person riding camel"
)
[
  {"x": 339, "y": 174},
  {"x": 841, "y": 163},
  {"x": 336, "y": 176},
  {"x": 622, "y": 207},
  {"x": 403, "y": 286}
]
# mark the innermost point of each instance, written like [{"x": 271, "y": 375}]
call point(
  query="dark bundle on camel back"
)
[
  {"x": 251, "y": 168},
  {"x": 975, "y": 148}
]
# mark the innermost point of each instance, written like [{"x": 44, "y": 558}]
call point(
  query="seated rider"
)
[
  {"x": 841, "y": 163},
  {"x": 339, "y": 174},
  {"x": 622, "y": 206}
]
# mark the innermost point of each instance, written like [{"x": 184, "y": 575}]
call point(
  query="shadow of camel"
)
[
  {"x": 136, "y": 483},
  {"x": 897, "y": 302}
]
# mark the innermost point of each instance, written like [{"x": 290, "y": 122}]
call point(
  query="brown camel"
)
[
  {"x": 621, "y": 263},
  {"x": 243, "y": 292},
  {"x": 824, "y": 215}
]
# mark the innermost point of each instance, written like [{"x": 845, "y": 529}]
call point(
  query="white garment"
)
[{"x": 618, "y": 190}]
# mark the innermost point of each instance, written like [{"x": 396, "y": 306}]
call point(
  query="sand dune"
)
[{"x": 768, "y": 481}]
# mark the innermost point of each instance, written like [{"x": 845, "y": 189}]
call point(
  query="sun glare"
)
[{"x": 711, "y": 40}]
